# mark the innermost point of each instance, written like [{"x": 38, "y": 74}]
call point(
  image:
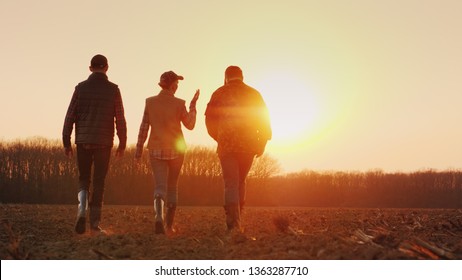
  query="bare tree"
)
[{"x": 265, "y": 167}]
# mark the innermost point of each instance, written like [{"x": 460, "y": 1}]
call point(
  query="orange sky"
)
[{"x": 351, "y": 85}]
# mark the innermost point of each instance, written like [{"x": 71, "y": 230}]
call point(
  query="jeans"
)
[
  {"x": 235, "y": 168},
  {"x": 99, "y": 157},
  {"x": 166, "y": 173}
]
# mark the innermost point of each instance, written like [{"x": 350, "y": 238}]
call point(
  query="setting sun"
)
[
  {"x": 157, "y": 154},
  {"x": 350, "y": 85},
  {"x": 292, "y": 108}
]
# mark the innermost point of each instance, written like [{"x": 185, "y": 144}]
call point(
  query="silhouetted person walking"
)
[
  {"x": 94, "y": 108},
  {"x": 238, "y": 119},
  {"x": 164, "y": 114}
]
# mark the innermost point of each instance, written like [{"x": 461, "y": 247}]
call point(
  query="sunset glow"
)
[
  {"x": 293, "y": 109},
  {"x": 350, "y": 85}
]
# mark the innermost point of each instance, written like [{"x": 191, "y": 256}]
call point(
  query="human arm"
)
[
  {"x": 142, "y": 134},
  {"x": 211, "y": 118},
  {"x": 121, "y": 125},
  {"x": 264, "y": 125},
  {"x": 69, "y": 121},
  {"x": 189, "y": 118}
]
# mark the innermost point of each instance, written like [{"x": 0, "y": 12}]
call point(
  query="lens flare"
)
[{"x": 293, "y": 110}]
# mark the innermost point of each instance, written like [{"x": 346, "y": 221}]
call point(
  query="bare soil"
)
[{"x": 47, "y": 232}]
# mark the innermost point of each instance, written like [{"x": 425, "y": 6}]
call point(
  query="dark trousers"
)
[
  {"x": 235, "y": 168},
  {"x": 99, "y": 158}
]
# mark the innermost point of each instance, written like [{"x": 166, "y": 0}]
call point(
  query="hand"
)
[
  {"x": 194, "y": 99},
  {"x": 68, "y": 152}
]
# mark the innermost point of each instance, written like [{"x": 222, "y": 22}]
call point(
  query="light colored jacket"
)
[{"x": 164, "y": 114}]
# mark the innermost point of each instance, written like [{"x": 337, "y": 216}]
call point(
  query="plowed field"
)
[{"x": 47, "y": 232}]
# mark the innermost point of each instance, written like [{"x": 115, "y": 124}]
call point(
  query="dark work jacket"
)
[{"x": 97, "y": 99}]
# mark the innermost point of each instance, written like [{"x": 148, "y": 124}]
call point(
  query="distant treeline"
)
[{"x": 37, "y": 171}]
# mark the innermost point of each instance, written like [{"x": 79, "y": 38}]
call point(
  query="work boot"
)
[
  {"x": 80, "y": 224},
  {"x": 159, "y": 215},
  {"x": 170, "y": 215}
]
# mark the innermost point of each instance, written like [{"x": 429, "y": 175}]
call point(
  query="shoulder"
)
[
  {"x": 151, "y": 99},
  {"x": 179, "y": 100},
  {"x": 110, "y": 85},
  {"x": 219, "y": 92},
  {"x": 253, "y": 95},
  {"x": 113, "y": 85},
  {"x": 81, "y": 84},
  {"x": 250, "y": 89},
  {"x": 163, "y": 99},
  {"x": 94, "y": 82},
  {"x": 174, "y": 99}
]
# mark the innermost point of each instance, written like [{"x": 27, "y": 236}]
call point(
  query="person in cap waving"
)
[{"x": 163, "y": 115}]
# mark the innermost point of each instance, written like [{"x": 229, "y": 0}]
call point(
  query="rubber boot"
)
[
  {"x": 80, "y": 224},
  {"x": 169, "y": 217},
  {"x": 159, "y": 215}
]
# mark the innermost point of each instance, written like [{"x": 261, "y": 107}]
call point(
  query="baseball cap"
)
[
  {"x": 167, "y": 78},
  {"x": 99, "y": 61}
]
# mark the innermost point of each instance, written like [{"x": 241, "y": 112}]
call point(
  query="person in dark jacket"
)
[
  {"x": 238, "y": 120},
  {"x": 164, "y": 113},
  {"x": 94, "y": 108}
]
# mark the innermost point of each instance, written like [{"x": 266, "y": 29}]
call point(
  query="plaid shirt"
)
[
  {"x": 238, "y": 119},
  {"x": 72, "y": 117},
  {"x": 188, "y": 120}
]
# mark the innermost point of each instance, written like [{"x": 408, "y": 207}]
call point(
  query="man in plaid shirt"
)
[
  {"x": 94, "y": 108},
  {"x": 238, "y": 120}
]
